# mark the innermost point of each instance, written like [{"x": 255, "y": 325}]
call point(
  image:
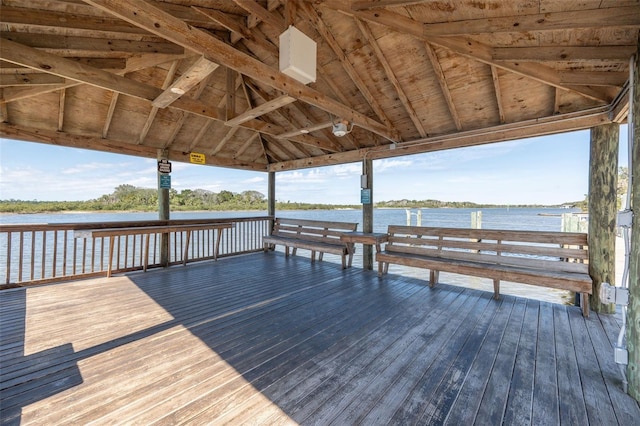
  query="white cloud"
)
[{"x": 256, "y": 179}]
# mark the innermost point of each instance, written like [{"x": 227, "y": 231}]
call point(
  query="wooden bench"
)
[
  {"x": 112, "y": 233},
  {"x": 315, "y": 235},
  {"x": 549, "y": 259}
]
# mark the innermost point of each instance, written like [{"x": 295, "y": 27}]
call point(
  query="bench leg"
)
[
  {"x": 584, "y": 302},
  {"x": 344, "y": 261},
  {"x": 433, "y": 278},
  {"x": 286, "y": 251},
  {"x": 496, "y": 289},
  {"x": 380, "y": 268},
  {"x": 313, "y": 256},
  {"x": 320, "y": 256}
]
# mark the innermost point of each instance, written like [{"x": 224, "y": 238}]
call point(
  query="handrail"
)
[{"x": 43, "y": 253}]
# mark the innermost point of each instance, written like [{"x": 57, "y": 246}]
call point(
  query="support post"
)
[
  {"x": 603, "y": 178},
  {"x": 271, "y": 199},
  {"x": 163, "y": 212},
  {"x": 633, "y": 311},
  {"x": 367, "y": 214}
]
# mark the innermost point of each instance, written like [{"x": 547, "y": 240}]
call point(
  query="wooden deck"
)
[{"x": 267, "y": 340}]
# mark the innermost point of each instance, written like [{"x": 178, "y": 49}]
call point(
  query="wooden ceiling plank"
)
[
  {"x": 203, "y": 130},
  {"x": 160, "y": 23},
  {"x": 231, "y": 77},
  {"x": 260, "y": 110},
  {"x": 61, "y": 103},
  {"x": 563, "y": 53},
  {"x": 110, "y": 111},
  {"x": 53, "y": 137},
  {"x": 4, "y": 110},
  {"x": 498, "y": 91},
  {"x": 626, "y": 16},
  {"x": 593, "y": 78},
  {"x": 472, "y": 49},
  {"x": 188, "y": 80},
  {"x": 326, "y": 34},
  {"x": 12, "y": 94},
  {"x": 444, "y": 87},
  {"x": 31, "y": 79},
  {"x": 71, "y": 46},
  {"x": 373, "y": 43},
  {"x": 154, "y": 109}
]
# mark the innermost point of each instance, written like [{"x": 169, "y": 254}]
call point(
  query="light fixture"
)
[{"x": 341, "y": 128}]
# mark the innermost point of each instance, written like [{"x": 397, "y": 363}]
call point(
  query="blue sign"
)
[
  {"x": 365, "y": 196},
  {"x": 165, "y": 181}
]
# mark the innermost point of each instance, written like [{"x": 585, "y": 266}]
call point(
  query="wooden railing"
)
[{"x": 42, "y": 253}]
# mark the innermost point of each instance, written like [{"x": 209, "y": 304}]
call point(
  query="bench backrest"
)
[
  {"x": 552, "y": 251},
  {"x": 312, "y": 230}
]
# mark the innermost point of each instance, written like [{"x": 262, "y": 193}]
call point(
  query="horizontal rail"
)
[{"x": 42, "y": 253}]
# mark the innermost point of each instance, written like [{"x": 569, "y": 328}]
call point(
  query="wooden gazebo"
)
[{"x": 195, "y": 80}]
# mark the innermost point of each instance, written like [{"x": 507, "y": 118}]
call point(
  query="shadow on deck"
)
[{"x": 268, "y": 340}]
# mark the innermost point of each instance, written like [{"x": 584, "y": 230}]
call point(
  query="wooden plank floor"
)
[{"x": 265, "y": 339}]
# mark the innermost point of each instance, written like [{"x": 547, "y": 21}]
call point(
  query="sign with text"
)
[
  {"x": 196, "y": 158},
  {"x": 165, "y": 181},
  {"x": 164, "y": 166},
  {"x": 365, "y": 196}
]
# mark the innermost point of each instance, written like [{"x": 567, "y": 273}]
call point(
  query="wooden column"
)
[
  {"x": 603, "y": 178},
  {"x": 367, "y": 215},
  {"x": 271, "y": 198},
  {"x": 633, "y": 312},
  {"x": 163, "y": 212}
]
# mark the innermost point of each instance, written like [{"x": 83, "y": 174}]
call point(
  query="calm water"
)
[{"x": 497, "y": 218}]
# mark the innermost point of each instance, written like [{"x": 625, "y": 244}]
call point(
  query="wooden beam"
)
[
  {"x": 201, "y": 132},
  {"x": 29, "y": 79},
  {"x": 326, "y": 34},
  {"x": 114, "y": 146},
  {"x": 231, "y": 78},
  {"x": 444, "y": 87},
  {"x": 263, "y": 14},
  {"x": 110, "y": 111},
  {"x": 498, "y": 91},
  {"x": 195, "y": 74},
  {"x": 61, "y": 103},
  {"x": 373, "y": 4},
  {"x": 64, "y": 45},
  {"x": 562, "y": 53},
  {"x": 505, "y": 132},
  {"x": 290, "y": 12},
  {"x": 470, "y": 48},
  {"x": 154, "y": 109},
  {"x": 391, "y": 76},
  {"x": 628, "y": 16},
  {"x": 593, "y": 78},
  {"x": 305, "y": 130},
  {"x": 263, "y": 109},
  {"x": 250, "y": 140}
]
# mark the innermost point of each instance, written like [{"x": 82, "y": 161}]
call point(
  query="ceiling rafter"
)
[
  {"x": 61, "y": 103},
  {"x": 188, "y": 80},
  {"x": 260, "y": 110},
  {"x": 250, "y": 140},
  {"x": 549, "y": 21},
  {"x": 469, "y": 48},
  {"x": 368, "y": 35},
  {"x": 444, "y": 87},
  {"x": 563, "y": 53},
  {"x": 326, "y": 34},
  {"x": 154, "y": 109},
  {"x": 261, "y": 13},
  {"x": 498, "y": 92},
  {"x": 373, "y": 4},
  {"x": 109, "y": 118},
  {"x": 200, "y": 135},
  {"x": 33, "y": 79}
]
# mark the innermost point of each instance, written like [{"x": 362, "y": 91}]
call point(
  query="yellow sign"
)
[{"x": 196, "y": 158}]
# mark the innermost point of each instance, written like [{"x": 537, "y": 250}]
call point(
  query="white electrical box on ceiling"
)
[{"x": 298, "y": 55}]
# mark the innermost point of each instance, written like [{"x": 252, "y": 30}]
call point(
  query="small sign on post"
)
[
  {"x": 365, "y": 196},
  {"x": 165, "y": 181},
  {"x": 196, "y": 158},
  {"x": 164, "y": 166}
]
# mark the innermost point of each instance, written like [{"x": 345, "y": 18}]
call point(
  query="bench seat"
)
[
  {"x": 313, "y": 235},
  {"x": 548, "y": 259}
]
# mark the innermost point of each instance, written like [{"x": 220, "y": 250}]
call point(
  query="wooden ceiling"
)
[{"x": 202, "y": 76}]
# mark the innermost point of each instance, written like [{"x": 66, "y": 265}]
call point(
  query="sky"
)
[{"x": 544, "y": 170}]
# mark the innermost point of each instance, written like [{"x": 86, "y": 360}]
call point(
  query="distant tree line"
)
[{"x": 132, "y": 198}]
